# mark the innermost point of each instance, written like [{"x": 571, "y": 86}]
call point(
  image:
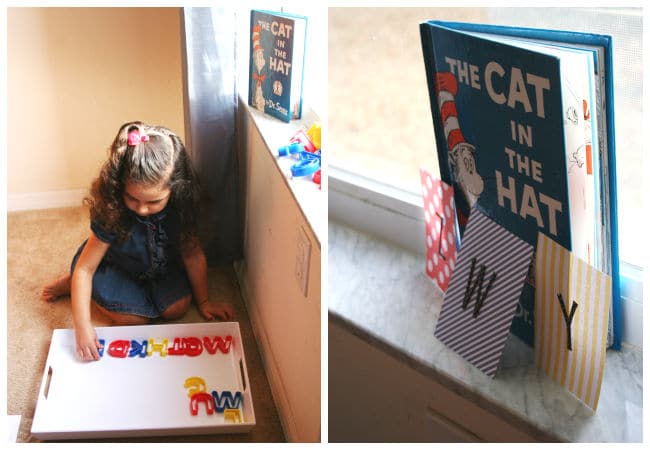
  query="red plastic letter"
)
[
  {"x": 119, "y": 348},
  {"x": 192, "y": 346},
  {"x": 217, "y": 342},
  {"x": 201, "y": 397},
  {"x": 177, "y": 348}
]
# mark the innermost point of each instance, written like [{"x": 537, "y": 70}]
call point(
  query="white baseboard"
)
[
  {"x": 278, "y": 390},
  {"x": 45, "y": 200}
]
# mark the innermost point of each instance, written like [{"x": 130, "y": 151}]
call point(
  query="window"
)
[{"x": 380, "y": 124}]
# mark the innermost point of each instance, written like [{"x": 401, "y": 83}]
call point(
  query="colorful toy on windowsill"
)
[
  {"x": 316, "y": 178},
  {"x": 304, "y": 146}
]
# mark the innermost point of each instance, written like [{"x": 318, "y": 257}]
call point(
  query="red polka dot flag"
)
[{"x": 439, "y": 220}]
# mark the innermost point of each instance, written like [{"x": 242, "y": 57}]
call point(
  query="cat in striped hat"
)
[
  {"x": 260, "y": 62},
  {"x": 461, "y": 154}
]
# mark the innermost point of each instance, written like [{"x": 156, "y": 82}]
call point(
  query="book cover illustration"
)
[
  {"x": 482, "y": 296},
  {"x": 499, "y": 122},
  {"x": 276, "y": 64},
  {"x": 571, "y": 316}
]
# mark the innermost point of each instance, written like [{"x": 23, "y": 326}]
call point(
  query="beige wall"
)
[{"x": 74, "y": 75}]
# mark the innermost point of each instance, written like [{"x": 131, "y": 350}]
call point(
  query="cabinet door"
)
[
  {"x": 374, "y": 397},
  {"x": 285, "y": 314}
]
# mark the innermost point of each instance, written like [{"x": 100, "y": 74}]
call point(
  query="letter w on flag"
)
[{"x": 491, "y": 270}]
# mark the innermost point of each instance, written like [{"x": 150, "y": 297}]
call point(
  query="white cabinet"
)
[
  {"x": 283, "y": 306},
  {"x": 376, "y": 397}
]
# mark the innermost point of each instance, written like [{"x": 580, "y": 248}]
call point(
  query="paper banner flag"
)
[
  {"x": 571, "y": 314},
  {"x": 481, "y": 301},
  {"x": 439, "y": 222}
]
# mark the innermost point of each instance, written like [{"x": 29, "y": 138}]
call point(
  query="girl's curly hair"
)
[{"x": 162, "y": 158}]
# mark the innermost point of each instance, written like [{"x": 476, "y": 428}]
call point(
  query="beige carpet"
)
[{"x": 40, "y": 245}]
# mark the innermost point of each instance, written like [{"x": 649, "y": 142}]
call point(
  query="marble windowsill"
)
[{"x": 380, "y": 292}]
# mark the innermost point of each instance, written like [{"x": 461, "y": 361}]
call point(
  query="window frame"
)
[{"x": 396, "y": 215}]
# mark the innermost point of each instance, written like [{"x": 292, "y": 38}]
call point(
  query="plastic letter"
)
[
  {"x": 226, "y": 400},
  {"x": 201, "y": 397},
  {"x": 178, "y": 348},
  {"x": 194, "y": 385},
  {"x": 119, "y": 348},
  {"x": 217, "y": 342},
  {"x": 192, "y": 346},
  {"x": 233, "y": 415},
  {"x": 138, "y": 349},
  {"x": 153, "y": 347}
]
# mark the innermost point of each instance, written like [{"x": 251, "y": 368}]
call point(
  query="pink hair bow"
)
[{"x": 135, "y": 138}]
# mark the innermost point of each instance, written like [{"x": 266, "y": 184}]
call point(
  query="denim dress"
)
[{"x": 144, "y": 274}]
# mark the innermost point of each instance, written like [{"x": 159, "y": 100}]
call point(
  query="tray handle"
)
[
  {"x": 48, "y": 380},
  {"x": 242, "y": 373}
]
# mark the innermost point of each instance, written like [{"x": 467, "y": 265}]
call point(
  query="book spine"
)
[{"x": 610, "y": 188}]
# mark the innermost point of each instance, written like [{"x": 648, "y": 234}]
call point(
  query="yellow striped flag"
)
[{"x": 571, "y": 314}]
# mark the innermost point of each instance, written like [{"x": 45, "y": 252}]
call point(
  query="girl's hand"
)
[
  {"x": 211, "y": 310},
  {"x": 87, "y": 343}
]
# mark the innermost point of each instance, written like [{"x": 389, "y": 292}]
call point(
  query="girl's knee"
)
[{"x": 178, "y": 309}]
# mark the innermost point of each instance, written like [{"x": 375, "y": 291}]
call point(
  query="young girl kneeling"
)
[{"x": 142, "y": 259}]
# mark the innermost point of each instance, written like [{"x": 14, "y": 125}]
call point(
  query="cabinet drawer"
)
[{"x": 374, "y": 397}]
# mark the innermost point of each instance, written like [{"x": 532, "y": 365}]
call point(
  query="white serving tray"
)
[{"x": 142, "y": 396}]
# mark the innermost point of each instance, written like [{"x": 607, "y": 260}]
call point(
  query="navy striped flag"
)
[{"x": 482, "y": 296}]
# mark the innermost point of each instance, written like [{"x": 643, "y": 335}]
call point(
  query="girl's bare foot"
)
[{"x": 57, "y": 288}]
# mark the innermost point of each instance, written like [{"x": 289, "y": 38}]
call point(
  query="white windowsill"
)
[
  {"x": 306, "y": 193},
  {"x": 396, "y": 216}
]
